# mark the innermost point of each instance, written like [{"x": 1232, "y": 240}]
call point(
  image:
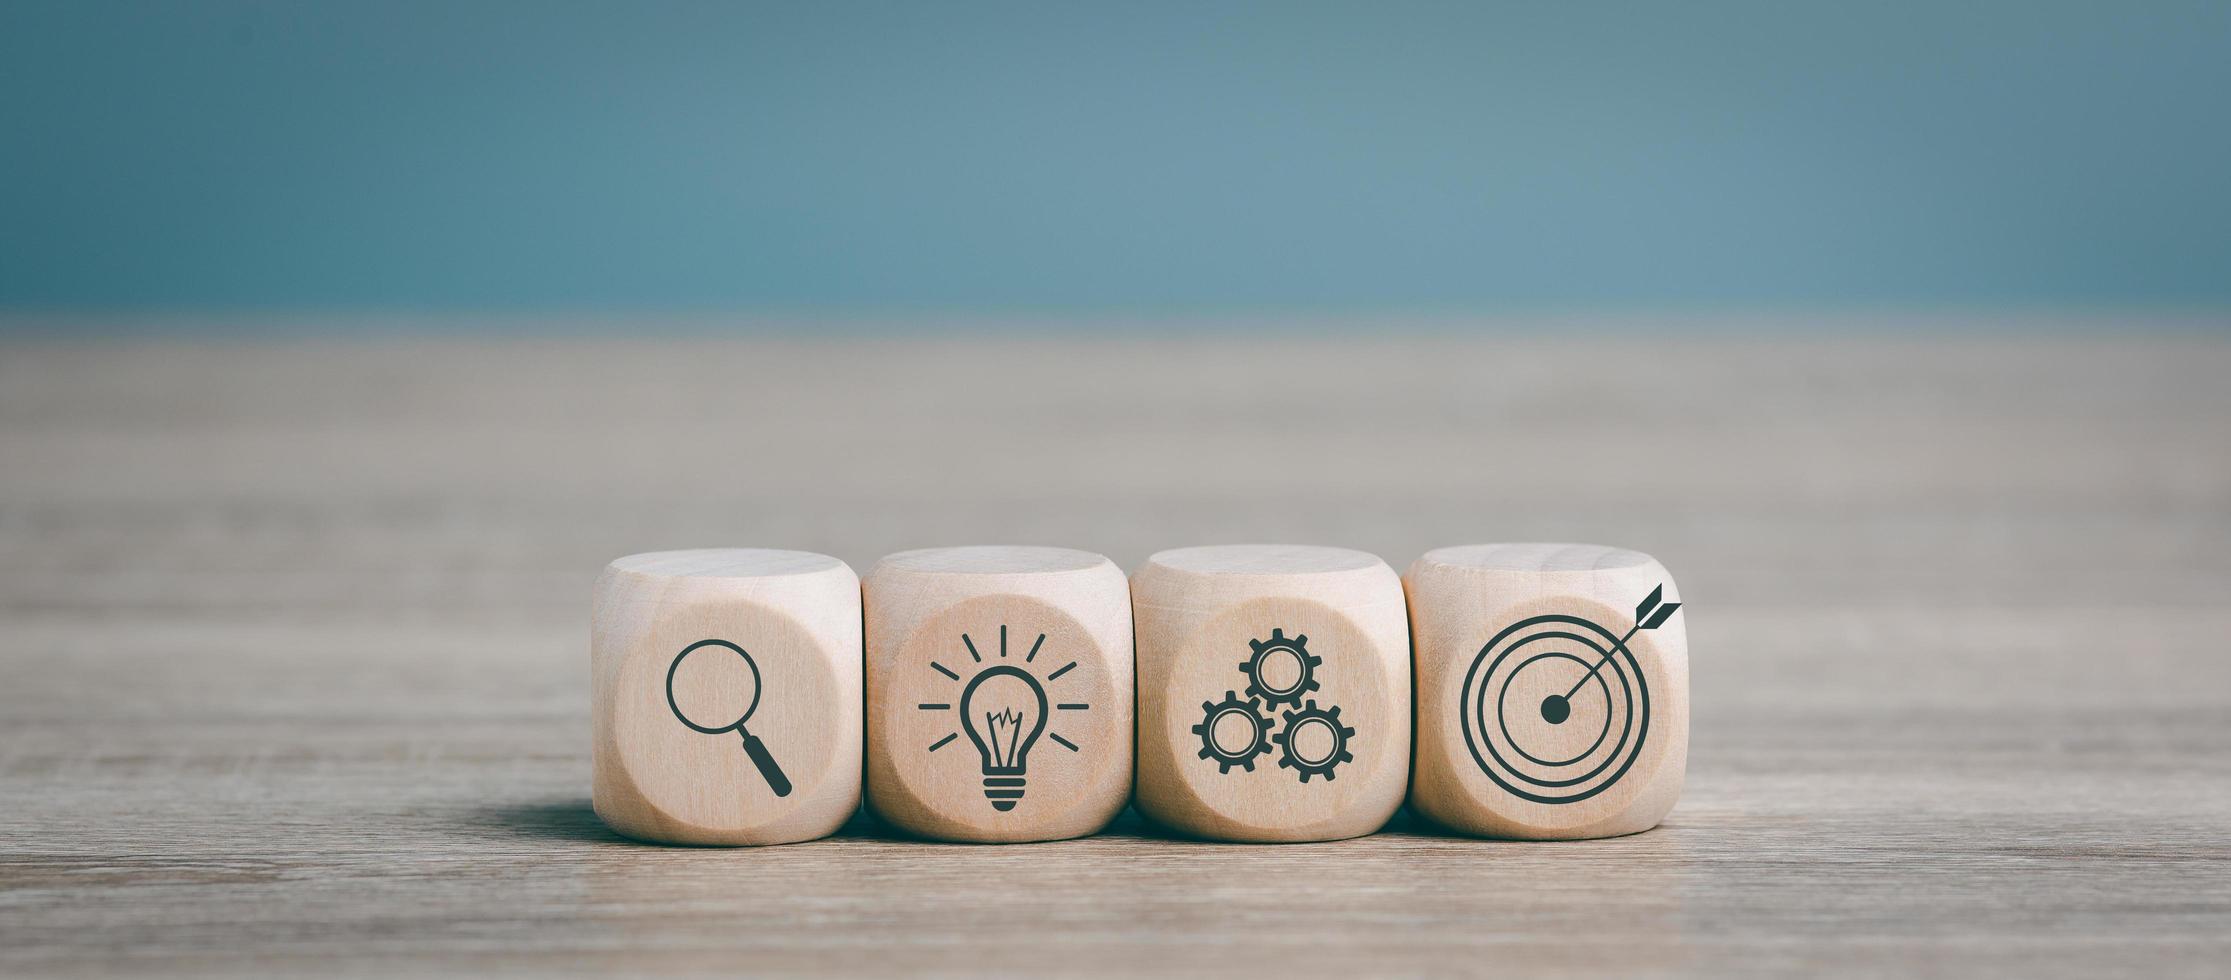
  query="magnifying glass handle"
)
[{"x": 772, "y": 773}]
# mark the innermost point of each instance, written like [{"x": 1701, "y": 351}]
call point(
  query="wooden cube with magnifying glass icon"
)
[
  {"x": 725, "y": 695},
  {"x": 1274, "y": 692},
  {"x": 1552, "y": 687},
  {"x": 998, "y": 692}
]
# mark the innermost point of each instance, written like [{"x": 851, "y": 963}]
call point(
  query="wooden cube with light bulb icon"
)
[
  {"x": 1274, "y": 692},
  {"x": 1553, "y": 690},
  {"x": 998, "y": 692},
  {"x": 725, "y": 689}
]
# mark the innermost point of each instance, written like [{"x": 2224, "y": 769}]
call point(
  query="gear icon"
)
[
  {"x": 1324, "y": 763},
  {"x": 1270, "y": 651},
  {"x": 1258, "y": 728}
]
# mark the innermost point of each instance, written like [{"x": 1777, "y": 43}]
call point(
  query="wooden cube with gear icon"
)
[
  {"x": 1274, "y": 692},
  {"x": 998, "y": 692},
  {"x": 725, "y": 696},
  {"x": 1552, "y": 687}
]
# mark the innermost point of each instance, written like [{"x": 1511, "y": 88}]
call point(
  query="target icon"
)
[{"x": 1556, "y": 708}]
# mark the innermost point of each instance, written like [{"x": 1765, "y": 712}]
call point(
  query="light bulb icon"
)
[{"x": 1003, "y": 711}]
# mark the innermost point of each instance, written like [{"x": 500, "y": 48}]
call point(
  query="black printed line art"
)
[
  {"x": 1313, "y": 741},
  {"x": 757, "y": 750},
  {"x": 1555, "y": 708},
  {"x": 1279, "y": 671},
  {"x": 1234, "y": 733},
  {"x": 1004, "y": 710}
]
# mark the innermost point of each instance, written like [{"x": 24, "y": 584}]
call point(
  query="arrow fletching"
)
[
  {"x": 1643, "y": 611},
  {"x": 1665, "y": 612}
]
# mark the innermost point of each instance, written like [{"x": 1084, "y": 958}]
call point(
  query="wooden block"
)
[
  {"x": 999, "y": 692},
  {"x": 1553, "y": 690},
  {"x": 725, "y": 693},
  {"x": 1274, "y": 692}
]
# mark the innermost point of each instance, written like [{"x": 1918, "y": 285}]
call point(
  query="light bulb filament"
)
[
  {"x": 1005, "y": 729},
  {"x": 1003, "y": 711}
]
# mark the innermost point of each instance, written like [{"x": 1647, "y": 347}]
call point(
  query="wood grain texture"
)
[
  {"x": 1274, "y": 691},
  {"x": 725, "y": 695},
  {"x": 291, "y": 645},
  {"x": 999, "y": 692},
  {"x": 1573, "y": 727}
]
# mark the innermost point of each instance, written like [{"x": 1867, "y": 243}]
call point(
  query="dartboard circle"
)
[
  {"x": 1502, "y": 717},
  {"x": 1486, "y": 710},
  {"x": 1503, "y": 708}
]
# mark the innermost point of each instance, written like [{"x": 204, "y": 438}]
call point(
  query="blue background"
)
[{"x": 476, "y": 155}]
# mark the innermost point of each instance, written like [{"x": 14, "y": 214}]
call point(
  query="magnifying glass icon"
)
[{"x": 714, "y": 679}]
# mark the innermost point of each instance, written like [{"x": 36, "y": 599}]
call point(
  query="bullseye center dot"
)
[{"x": 1555, "y": 709}]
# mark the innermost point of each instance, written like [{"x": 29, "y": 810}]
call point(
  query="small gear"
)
[
  {"x": 1258, "y": 728},
  {"x": 1305, "y": 670},
  {"x": 1312, "y": 715}
]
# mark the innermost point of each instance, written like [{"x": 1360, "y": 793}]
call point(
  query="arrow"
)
[{"x": 1648, "y": 616}]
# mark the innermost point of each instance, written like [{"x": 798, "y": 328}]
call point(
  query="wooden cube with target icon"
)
[
  {"x": 1552, "y": 690},
  {"x": 998, "y": 692},
  {"x": 1274, "y": 692},
  {"x": 725, "y": 696}
]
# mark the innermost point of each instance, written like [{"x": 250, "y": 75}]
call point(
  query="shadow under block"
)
[
  {"x": 1274, "y": 692},
  {"x": 725, "y": 694},
  {"x": 1553, "y": 690},
  {"x": 999, "y": 692}
]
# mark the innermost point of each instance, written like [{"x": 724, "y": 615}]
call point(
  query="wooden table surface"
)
[{"x": 293, "y": 668}]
